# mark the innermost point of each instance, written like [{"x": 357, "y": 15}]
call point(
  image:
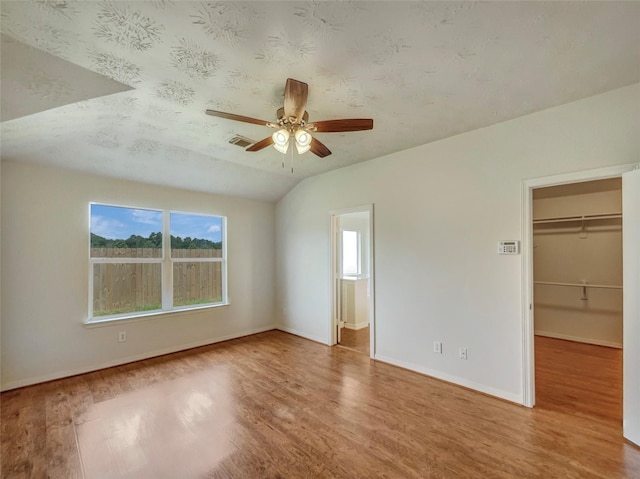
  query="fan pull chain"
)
[{"x": 291, "y": 160}]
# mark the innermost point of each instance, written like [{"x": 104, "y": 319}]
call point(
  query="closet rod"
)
[
  {"x": 563, "y": 219},
  {"x": 580, "y": 285}
]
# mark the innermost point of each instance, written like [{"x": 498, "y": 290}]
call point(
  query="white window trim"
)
[{"x": 166, "y": 264}]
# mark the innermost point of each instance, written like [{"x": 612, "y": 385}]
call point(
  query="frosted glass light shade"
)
[
  {"x": 281, "y": 148},
  {"x": 281, "y": 140},
  {"x": 303, "y": 141},
  {"x": 302, "y": 149}
]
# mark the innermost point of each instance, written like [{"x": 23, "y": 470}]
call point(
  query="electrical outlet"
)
[
  {"x": 122, "y": 336},
  {"x": 437, "y": 347},
  {"x": 462, "y": 353}
]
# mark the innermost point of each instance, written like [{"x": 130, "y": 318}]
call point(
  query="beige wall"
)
[
  {"x": 354, "y": 303},
  {"x": 45, "y": 226},
  {"x": 564, "y": 253}
]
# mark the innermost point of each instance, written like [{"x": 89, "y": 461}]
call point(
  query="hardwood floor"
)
[
  {"x": 356, "y": 339},
  {"x": 274, "y": 405},
  {"x": 578, "y": 378}
]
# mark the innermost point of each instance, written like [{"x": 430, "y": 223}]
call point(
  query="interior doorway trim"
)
[
  {"x": 333, "y": 339},
  {"x": 528, "y": 360}
]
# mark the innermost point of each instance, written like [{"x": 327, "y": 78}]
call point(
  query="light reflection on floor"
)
[{"x": 175, "y": 429}]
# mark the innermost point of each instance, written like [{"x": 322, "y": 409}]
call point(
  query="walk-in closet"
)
[{"x": 577, "y": 272}]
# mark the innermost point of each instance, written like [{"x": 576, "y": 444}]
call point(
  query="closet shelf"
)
[
  {"x": 579, "y": 285},
  {"x": 584, "y": 285},
  {"x": 566, "y": 219}
]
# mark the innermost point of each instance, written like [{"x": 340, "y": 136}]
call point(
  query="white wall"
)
[
  {"x": 45, "y": 274},
  {"x": 439, "y": 211}
]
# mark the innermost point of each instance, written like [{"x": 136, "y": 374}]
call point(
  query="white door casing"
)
[
  {"x": 631, "y": 346},
  {"x": 336, "y": 273},
  {"x": 631, "y": 305}
]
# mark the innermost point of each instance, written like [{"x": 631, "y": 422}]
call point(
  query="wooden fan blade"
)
[
  {"x": 318, "y": 148},
  {"x": 295, "y": 98},
  {"x": 335, "y": 126},
  {"x": 261, "y": 144},
  {"x": 232, "y": 116}
]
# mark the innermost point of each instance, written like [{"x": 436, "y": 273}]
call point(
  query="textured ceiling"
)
[{"x": 422, "y": 70}]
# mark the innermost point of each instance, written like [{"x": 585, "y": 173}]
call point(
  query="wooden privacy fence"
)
[
  {"x": 128, "y": 287},
  {"x": 153, "y": 253}
]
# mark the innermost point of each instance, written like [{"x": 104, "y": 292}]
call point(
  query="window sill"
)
[{"x": 132, "y": 318}]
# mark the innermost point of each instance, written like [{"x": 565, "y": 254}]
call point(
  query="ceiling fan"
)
[{"x": 293, "y": 121}]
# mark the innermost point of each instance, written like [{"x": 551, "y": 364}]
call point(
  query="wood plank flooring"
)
[
  {"x": 356, "y": 339},
  {"x": 274, "y": 405},
  {"x": 578, "y": 378}
]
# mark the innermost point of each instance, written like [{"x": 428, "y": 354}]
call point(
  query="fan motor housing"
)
[{"x": 280, "y": 115}]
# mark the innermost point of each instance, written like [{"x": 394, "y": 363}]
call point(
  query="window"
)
[
  {"x": 196, "y": 262},
  {"x": 144, "y": 261},
  {"x": 350, "y": 253}
]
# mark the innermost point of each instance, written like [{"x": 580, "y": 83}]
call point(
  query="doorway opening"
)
[
  {"x": 587, "y": 288},
  {"x": 352, "y": 321},
  {"x": 577, "y": 299}
]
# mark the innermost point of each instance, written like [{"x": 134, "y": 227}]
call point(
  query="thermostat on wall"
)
[{"x": 508, "y": 247}]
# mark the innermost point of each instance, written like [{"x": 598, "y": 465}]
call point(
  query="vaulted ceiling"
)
[{"x": 121, "y": 88}]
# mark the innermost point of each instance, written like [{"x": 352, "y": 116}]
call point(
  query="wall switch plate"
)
[
  {"x": 122, "y": 336},
  {"x": 462, "y": 353},
  {"x": 437, "y": 347}
]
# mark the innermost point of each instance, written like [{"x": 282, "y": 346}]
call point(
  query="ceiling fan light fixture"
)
[
  {"x": 281, "y": 140},
  {"x": 303, "y": 141},
  {"x": 302, "y": 149},
  {"x": 303, "y": 138},
  {"x": 281, "y": 148},
  {"x": 293, "y": 121}
]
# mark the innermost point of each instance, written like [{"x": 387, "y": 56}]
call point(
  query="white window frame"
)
[{"x": 166, "y": 267}]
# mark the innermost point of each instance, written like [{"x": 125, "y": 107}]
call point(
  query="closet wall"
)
[{"x": 572, "y": 251}]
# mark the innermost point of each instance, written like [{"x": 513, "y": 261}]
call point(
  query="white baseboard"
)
[
  {"x": 577, "y": 339},
  {"x": 515, "y": 398},
  {"x": 129, "y": 359},
  {"x": 356, "y": 327},
  {"x": 295, "y": 332}
]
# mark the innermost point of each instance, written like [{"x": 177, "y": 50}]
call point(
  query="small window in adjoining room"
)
[
  {"x": 146, "y": 261},
  {"x": 350, "y": 253}
]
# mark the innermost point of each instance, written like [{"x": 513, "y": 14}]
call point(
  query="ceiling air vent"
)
[{"x": 241, "y": 141}]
